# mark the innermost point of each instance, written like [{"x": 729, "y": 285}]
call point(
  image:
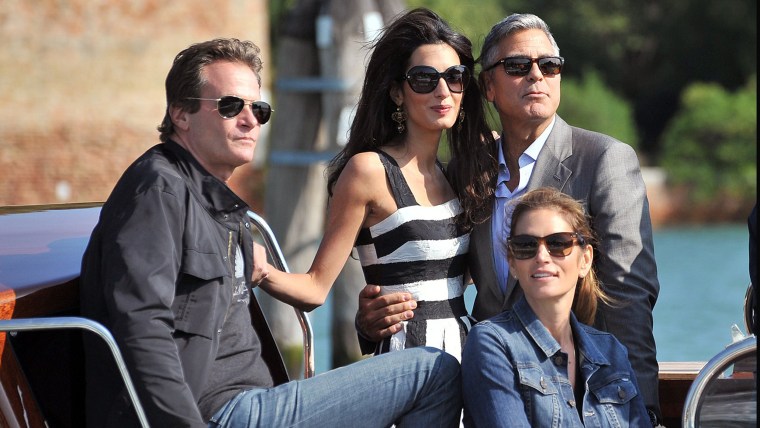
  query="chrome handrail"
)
[
  {"x": 303, "y": 319},
  {"x": 52, "y": 323},
  {"x": 714, "y": 367}
]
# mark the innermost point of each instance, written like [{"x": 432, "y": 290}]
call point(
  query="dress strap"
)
[{"x": 400, "y": 188}]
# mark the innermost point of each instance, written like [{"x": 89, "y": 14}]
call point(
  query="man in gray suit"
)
[{"x": 521, "y": 77}]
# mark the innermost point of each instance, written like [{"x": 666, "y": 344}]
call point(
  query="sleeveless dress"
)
[{"x": 419, "y": 250}]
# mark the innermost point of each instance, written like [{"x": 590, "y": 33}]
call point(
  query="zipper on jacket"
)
[
  {"x": 231, "y": 264},
  {"x": 229, "y": 253}
]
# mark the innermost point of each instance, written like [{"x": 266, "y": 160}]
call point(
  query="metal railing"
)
[
  {"x": 57, "y": 323},
  {"x": 712, "y": 370},
  {"x": 279, "y": 262}
]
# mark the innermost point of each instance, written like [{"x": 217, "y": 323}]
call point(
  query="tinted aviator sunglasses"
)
[
  {"x": 230, "y": 106},
  {"x": 423, "y": 79},
  {"x": 520, "y": 66},
  {"x": 560, "y": 244}
]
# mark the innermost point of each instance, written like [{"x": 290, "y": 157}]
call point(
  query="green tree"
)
[
  {"x": 646, "y": 51},
  {"x": 711, "y": 145},
  {"x": 590, "y": 104},
  {"x": 470, "y": 17},
  {"x": 649, "y": 51}
]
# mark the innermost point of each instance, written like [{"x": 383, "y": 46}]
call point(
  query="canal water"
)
[{"x": 703, "y": 274}]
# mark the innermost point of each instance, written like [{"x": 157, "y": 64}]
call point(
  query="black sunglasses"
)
[
  {"x": 560, "y": 244},
  {"x": 423, "y": 79},
  {"x": 520, "y": 66},
  {"x": 230, "y": 106}
]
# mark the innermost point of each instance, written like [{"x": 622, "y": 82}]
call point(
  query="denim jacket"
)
[{"x": 514, "y": 374}]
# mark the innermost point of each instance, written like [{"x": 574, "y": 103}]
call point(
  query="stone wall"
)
[{"x": 82, "y": 85}]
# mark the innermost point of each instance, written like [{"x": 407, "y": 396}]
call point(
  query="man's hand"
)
[
  {"x": 260, "y": 265},
  {"x": 380, "y": 316}
]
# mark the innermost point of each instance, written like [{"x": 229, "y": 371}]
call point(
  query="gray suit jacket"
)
[{"x": 604, "y": 174}]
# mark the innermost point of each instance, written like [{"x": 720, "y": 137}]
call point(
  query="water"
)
[{"x": 703, "y": 274}]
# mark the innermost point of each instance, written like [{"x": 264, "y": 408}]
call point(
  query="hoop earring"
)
[
  {"x": 399, "y": 116},
  {"x": 461, "y": 119}
]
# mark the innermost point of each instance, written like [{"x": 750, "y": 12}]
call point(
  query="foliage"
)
[
  {"x": 590, "y": 104},
  {"x": 586, "y": 102},
  {"x": 472, "y": 18},
  {"x": 650, "y": 51},
  {"x": 711, "y": 144},
  {"x": 646, "y": 51}
]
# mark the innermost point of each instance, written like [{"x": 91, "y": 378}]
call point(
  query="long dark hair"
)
[{"x": 372, "y": 126}]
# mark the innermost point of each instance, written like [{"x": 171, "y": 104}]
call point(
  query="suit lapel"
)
[{"x": 550, "y": 169}]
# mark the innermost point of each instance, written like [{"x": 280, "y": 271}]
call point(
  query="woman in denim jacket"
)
[{"x": 539, "y": 364}]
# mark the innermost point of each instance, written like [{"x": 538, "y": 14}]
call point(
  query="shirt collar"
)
[{"x": 530, "y": 154}]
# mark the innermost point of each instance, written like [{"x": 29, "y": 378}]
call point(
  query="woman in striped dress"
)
[
  {"x": 389, "y": 195},
  {"x": 421, "y": 250}
]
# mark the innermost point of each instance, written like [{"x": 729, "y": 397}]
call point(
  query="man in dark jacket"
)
[{"x": 169, "y": 270}]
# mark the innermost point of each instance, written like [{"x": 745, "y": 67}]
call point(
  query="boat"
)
[
  {"x": 41, "y": 349},
  {"x": 42, "y": 356}
]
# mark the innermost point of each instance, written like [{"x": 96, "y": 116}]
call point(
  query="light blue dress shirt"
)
[{"x": 502, "y": 213}]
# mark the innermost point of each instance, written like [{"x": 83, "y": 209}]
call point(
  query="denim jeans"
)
[{"x": 418, "y": 387}]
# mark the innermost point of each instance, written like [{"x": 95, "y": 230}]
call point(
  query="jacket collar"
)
[
  {"x": 211, "y": 192},
  {"x": 548, "y": 345}
]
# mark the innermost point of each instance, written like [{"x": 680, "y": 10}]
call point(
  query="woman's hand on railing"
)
[{"x": 260, "y": 265}]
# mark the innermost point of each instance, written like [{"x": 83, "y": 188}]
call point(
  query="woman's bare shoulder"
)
[{"x": 365, "y": 165}]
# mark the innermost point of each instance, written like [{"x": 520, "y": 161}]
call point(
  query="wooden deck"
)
[{"x": 675, "y": 380}]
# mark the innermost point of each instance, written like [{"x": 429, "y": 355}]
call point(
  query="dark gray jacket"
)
[{"x": 157, "y": 272}]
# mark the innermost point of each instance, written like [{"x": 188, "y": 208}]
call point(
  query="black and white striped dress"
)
[{"x": 419, "y": 250}]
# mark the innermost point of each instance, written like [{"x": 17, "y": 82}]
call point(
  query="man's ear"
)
[
  {"x": 179, "y": 117},
  {"x": 489, "y": 90}
]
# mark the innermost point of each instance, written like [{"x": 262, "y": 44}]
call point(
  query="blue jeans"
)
[{"x": 418, "y": 387}]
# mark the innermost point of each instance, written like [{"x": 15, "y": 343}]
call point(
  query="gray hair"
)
[{"x": 511, "y": 24}]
